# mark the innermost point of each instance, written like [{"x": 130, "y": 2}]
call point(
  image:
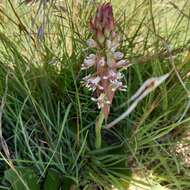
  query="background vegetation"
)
[{"x": 47, "y": 118}]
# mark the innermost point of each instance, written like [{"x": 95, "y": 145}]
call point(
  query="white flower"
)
[
  {"x": 115, "y": 75},
  {"x": 119, "y": 75},
  {"x": 92, "y": 82},
  {"x": 102, "y": 62},
  {"x": 87, "y": 77},
  {"x": 101, "y": 100},
  {"x": 118, "y": 55},
  {"x": 91, "y": 43},
  {"x": 89, "y": 61},
  {"x": 123, "y": 88},
  {"x": 115, "y": 43},
  {"x": 112, "y": 74},
  {"x": 95, "y": 80},
  {"x": 112, "y": 45},
  {"x": 122, "y": 63},
  {"x": 116, "y": 84}
]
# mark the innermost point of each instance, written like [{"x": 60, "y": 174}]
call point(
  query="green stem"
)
[{"x": 98, "y": 128}]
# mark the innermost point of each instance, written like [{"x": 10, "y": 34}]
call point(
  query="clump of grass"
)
[{"x": 48, "y": 118}]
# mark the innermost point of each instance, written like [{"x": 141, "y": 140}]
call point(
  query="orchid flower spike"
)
[{"x": 107, "y": 62}]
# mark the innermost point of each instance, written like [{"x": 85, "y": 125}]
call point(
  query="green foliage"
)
[
  {"x": 26, "y": 178},
  {"x": 52, "y": 180},
  {"x": 48, "y": 118},
  {"x": 22, "y": 179}
]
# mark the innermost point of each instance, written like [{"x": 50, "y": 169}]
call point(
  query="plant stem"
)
[{"x": 98, "y": 128}]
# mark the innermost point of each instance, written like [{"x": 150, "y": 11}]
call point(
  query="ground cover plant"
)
[{"x": 53, "y": 136}]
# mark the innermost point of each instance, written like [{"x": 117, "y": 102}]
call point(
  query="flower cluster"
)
[{"x": 107, "y": 62}]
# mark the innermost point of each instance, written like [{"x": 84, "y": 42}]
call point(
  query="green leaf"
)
[
  {"x": 68, "y": 183},
  {"x": 52, "y": 181},
  {"x": 22, "y": 179}
]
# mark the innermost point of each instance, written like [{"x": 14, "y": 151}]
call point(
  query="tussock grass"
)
[{"x": 48, "y": 118}]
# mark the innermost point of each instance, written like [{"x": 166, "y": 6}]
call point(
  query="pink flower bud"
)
[
  {"x": 100, "y": 36},
  {"x": 103, "y": 22}
]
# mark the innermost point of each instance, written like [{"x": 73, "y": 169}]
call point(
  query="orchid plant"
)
[
  {"x": 106, "y": 65},
  {"x": 107, "y": 62}
]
